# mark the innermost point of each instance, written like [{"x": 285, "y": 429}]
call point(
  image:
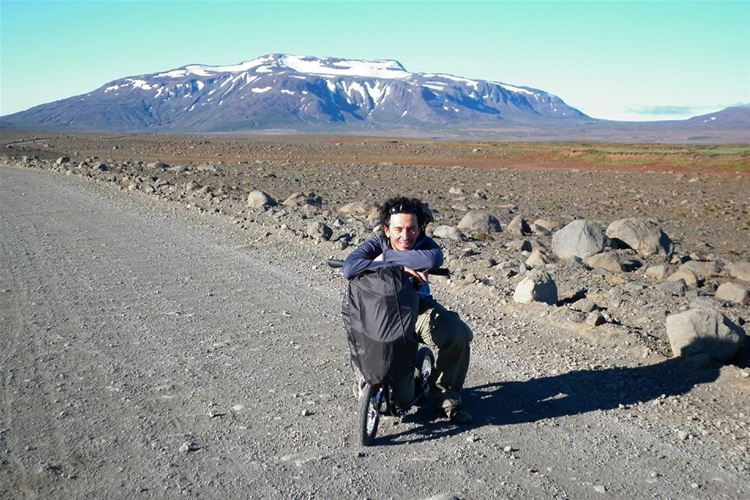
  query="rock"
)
[
  {"x": 657, "y": 272},
  {"x": 456, "y": 191},
  {"x": 188, "y": 446},
  {"x": 580, "y": 239},
  {"x": 354, "y": 208},
  {"x": 480, "y": 222},
  {"x": 702, "y": 269},
  {"x": 61, "y": 160},
  {"x": 609, "y": 261},
  {"x": 733, "y": 291},
  {"x": 595, "y": 318},
  {"x": 192, "y": 186},
  {"x": 739, "y": 270},
  {"x": 675, "y": 288},
  {"x": 689, "y": 277},
  {"x": 519, "y": 226},
  {"x": 319, "y": 230},
  {"x": 448, "y": 233},
  {"x": 539, "y": 258},
  {"x": 642, "y": 235},
  {"x": 302, "y": 199},
  {"x": 704, "y": 331},
  {"x": 157, "y": 165},
  {"x": 545, "y": 226},
  {"x": 583, "y": 305},
  {"x": 259, "y": 199},
  {"x": 536, "y": 287}
]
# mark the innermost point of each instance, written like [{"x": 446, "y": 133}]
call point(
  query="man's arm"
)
[
  {"x": 363, "y": 258},
  {"x": 427, "y": 255}
]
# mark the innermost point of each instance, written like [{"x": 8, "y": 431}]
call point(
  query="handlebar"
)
[{"x": 438, "y": 271}]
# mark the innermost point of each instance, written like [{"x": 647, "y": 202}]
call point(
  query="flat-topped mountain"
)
[{"x": 303, "y": 93}]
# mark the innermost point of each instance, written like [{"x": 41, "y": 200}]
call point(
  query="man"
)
[{"x": 404, "y": 243}]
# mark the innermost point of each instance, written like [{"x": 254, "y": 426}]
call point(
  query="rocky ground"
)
[{"x": 600, "y": 346}]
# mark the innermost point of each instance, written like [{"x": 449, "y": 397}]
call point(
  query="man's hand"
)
[{"x": 421, "y": 276}]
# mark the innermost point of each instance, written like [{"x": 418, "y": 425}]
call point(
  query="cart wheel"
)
[{"x": 370, "y": 403}]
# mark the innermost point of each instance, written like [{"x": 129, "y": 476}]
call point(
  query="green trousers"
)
[{"x": 449, "y": 337}]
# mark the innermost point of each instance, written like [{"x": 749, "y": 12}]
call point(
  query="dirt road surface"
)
[{"x": 148, "y": 352}]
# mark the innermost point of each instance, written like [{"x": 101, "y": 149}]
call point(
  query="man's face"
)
[{"x": 402, "y": 231}]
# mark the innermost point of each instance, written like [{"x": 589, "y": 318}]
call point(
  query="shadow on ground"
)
[{"x": 571, "y": 393}]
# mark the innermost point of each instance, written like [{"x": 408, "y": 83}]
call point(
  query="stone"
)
[
  {"x": 302, "y": 199},
  {"x": 319, "y": 230},
  {"x": 689, "y": 277},
  {"x": 456, "y": 191},
  {"x": 657, "y": 273},
  {"x": 642, "y": 235},
  {"x": 539, "y": 258},
  {"x": 188, "y": 446},
  {"x": 733, "y": 291},
  {"x": 580, "y": 239},
  {"x": 157, "y": 165},
  {"x": 478, "y": 221},
  {"x": 259, "y": 199},
  {"x": 518, "y": 226},
  {"x": 702, "y": 269},
  {"x": 583, "y": 305},
  {"x": 62, "y": 160},
  {"x": 448, "y": 233},
  {"x": 609, "y": 261},
  {"x": 739, "y": 270},
  {"x": 545, "y": 226},
  {"x": 536, "y": 287},
  {"x": 675, "y": 288},
  {"x": 354, "y": 208},
  {"x": 706, "y": 331},
  {"x": 595, "y": 318}
]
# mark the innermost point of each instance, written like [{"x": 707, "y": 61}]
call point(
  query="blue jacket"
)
[{"x": 425, "y": 255}]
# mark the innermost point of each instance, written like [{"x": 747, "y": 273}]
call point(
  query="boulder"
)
[
  {"x": 545, "y": 226},
  {"x": 319, "y": 230},
  {"x": 642, "y": 235},
  {"x": 697, "y": 332},
  {"x": 689, "y": 277},
  {"x": 448, "y": 233},
  {"x": 703, "y": 269},
  {"x": 657, "y": 272},
  {"x": 61, "y": 160},
  {"x": 302, "y": 199},
  {"x": 539, "y": 258},
  {"x": 157, "y": 165},
  {"x": 259, "y": 199},
  {"x": 739, "y": 270},
  {"x": 518, "y": 226},
  {"x": 354, "y": 208},
  {"x": 478, "y": 221},
  {"x": 733, "y": 291},
  {"x": 536, "y": 287},
  {"x": 676, "y": 288},
  {"x": 609, "y": 261},
  {"x": 580, "y": 239}
]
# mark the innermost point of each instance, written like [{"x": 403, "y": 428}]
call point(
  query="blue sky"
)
[{"x": 622, "y": 60}]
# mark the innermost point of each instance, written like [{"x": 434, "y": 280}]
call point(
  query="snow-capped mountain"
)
[{"x": 306, "y": 93}]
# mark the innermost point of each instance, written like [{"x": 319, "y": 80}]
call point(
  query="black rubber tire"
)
[
  {"x": 425, "y": 368},
  {"x": 370, "y": 403}
]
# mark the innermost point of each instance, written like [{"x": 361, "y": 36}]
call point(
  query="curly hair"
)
[{"x": 401, "y": 204}]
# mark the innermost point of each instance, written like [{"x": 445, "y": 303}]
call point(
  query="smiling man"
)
[{"x": 404, "y": 243}]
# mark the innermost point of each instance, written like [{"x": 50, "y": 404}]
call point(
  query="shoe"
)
[{"x": 458, "y": 415}]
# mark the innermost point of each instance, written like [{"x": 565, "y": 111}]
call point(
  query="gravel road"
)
[{"x": 148, "y": 351}]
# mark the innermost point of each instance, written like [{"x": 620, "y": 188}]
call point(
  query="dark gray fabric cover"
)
[{"x": 380, "y": 311}]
